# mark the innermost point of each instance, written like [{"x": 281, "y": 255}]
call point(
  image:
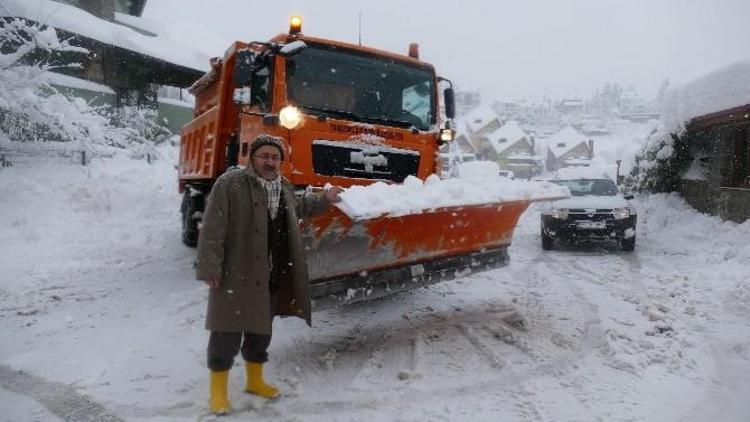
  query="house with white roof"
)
[
  {"x": 129, "y": 58},
  {"x": 477, "y": 125},
  {"x": 482, "y": 120},
  {"x": 706, "y": 125},
  {"x": 513, "y": 150},
  {"x": 568, "y": 148}
]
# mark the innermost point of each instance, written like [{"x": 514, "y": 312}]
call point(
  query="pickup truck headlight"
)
[
  {"x": 621, "y": 213},
  {"x": 561, "y": 213}
]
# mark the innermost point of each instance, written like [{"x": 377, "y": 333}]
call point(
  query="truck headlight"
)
[
  {"x": 290, "y": 117},
  {"x": 447, "y": 135},
  {"x": 621, "y": 213},
  {"x": 561, "y": 213}
]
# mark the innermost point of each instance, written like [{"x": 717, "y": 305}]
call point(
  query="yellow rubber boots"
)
[
  {"x": 218, "y": 402},
  {"x": 255, "y": 383}
]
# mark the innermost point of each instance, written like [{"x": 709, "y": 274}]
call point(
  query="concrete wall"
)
[{"x": 728, "y": 203}]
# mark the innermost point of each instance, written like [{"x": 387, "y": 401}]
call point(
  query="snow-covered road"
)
[{"x": 100, "y": 311}]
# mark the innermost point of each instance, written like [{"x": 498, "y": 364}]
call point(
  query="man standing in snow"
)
[{"x": 250, "y": 254}]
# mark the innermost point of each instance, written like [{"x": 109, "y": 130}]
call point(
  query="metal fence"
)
[{"x": 27, "y": 156}]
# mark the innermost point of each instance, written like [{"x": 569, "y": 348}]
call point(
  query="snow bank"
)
[
  {"x": 479, "y": 183},
  {"x": 111, "y": 201},
  {"x": 664, "y": 217}
]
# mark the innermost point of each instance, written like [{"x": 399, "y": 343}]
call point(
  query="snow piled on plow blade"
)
[{"x": 479, "y": 183}]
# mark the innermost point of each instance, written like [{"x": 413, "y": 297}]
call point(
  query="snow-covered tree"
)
[
  {"x": 31, "y": 109},
  {"x": 660, "y": 162},
  {"x": 607, "y": 99}
]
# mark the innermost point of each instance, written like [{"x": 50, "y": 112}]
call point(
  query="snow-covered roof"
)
[
  {"x": 480, "y": 117},
  {"x": 564, "y": 140},
  {"x": 506, "y": 136},
  {"x": 146, "y": 26},
  {"x": 71, "y": 82},
  {"x": 718, "y": 89},
  {"x": 72, "y": 19}
]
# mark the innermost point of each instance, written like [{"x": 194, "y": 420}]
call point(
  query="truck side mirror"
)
[
  {"x": 450, "y": 103},
  {"x": 244, "y": 67}
]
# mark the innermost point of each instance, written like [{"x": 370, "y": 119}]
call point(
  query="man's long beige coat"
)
[{"x": 233, "y": 244}]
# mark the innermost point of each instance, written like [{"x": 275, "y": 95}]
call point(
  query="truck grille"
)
[{"x": 363, "y": 161}]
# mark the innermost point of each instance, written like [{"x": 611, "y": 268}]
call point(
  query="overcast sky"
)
[{"x": 505, "y": 49}]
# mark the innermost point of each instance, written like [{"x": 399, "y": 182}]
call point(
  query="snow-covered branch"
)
[{"x": 31, "y": 109}]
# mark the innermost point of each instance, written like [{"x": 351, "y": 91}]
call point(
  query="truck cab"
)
[{"x": 348, "y": 115}]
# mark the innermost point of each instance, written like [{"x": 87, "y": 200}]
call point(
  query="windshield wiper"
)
[
  {"x": 333, "y": 112},
  {"x": 354, "y": 116}
]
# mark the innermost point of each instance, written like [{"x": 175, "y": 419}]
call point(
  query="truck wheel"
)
[
  {"x": 628, "y": 245},
  {"x": 189, "y": 224},
  {"x": 547, "y": 241}
]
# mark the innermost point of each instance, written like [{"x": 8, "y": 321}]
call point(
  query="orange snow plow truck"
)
[{"x": 349, "y": 115}]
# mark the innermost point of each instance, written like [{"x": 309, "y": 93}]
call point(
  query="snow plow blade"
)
[{"x": 351, "y": 261}]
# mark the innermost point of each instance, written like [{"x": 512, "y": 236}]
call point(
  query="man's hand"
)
[
  {"x": 333, "y": 194},
  {"x": 213, "y": 282}
]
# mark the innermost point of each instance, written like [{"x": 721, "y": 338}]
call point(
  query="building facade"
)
[
  {"x": 717, "y": 162},
  {"x": 128, "y": 62}
]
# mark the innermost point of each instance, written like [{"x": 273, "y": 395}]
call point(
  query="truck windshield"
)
[{"x": 341, "y": 83}]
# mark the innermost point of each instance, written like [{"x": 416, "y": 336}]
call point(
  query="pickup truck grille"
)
[
  {"x": 363, "y": 161},
  {"x": 594, "y": 215}
]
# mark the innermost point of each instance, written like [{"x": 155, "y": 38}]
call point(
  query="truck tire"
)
[
  {"x": 189, "y": 223},
  {"x": 628, "y": 245}
]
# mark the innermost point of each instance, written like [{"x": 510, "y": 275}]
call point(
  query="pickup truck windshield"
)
[
  {"x": 345, "y": 84},
  {"x": 583, "y": 187}
]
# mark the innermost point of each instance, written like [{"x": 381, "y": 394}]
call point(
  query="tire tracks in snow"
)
[
  {"x": 339, "y": 359},
  {"x": 60, "y": 399},
  {"x": 367, "y": 354},
  {"x": 476, "y": 328}
]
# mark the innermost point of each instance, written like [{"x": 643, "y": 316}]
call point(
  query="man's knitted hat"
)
[{"x": 264, "y": 139}]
